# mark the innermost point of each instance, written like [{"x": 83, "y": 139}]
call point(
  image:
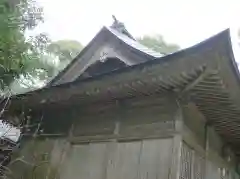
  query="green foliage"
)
[
  {"x": 158, "y": 44},
  {"x": 66, "y": 50},
  {"x": 53, "y": 57},
  {"x": 43, "y": 65},
  {"x": 16, "y": 52}
]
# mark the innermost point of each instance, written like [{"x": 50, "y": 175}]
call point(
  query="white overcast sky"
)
[{"x": 184, "y": 22}]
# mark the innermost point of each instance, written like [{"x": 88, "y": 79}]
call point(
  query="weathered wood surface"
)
[
  {"x": 139, "y": 139},
  {"x": 131, "y": 160},
  {"x": 85, "y": 161},
  {"x": 192, "y": 164},
  {"x": 133, "y": 119},
  {"x": 39, "y": 159},
  {"x": 124, "y": 161},
  {"x": 139, "y": 159},
  {"x": 204, "y": 153}
]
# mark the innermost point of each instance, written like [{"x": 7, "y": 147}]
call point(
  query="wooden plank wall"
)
[
  {"x": 195, "y": 123},
  {"x": 150, "y": 159},
  {"x": 134, "y": 119},
  {"x": 129, "y": 140},
  {"x": 39, "y": 158},
  {"x": 140, "y": 139}
]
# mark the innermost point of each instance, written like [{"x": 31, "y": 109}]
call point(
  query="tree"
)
[
  {"x": 20, "y": 57},
  {"x": 54, "y": 57},
  {"x": 65, "y": 51},
  {"x": 16, "y": 52},
  {"x": 158, "y": 44}
]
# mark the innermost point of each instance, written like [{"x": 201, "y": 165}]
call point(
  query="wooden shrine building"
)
[{"x": 121, "y": 111}]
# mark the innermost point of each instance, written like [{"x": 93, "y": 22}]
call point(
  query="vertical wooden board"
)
[
  {"x": 111, "y": 160},
  {"x": 59, "y": 156},
  {"x": 123, "y": 163},
  {"x": 76, "y": 165},
  {"x": 148, "y": 160},
  {"x": 174, "y": 172},
  {"x": 59, "y": 149},
  {"x": 198, "y": 166},
  {"x": 150, "y": 165},
  {"x": 97, "y": 160},
  {"x": 165, "y": 157},
  {"x": 128, "y": 159},
  {"x": 86, "y": 162},
  {"x": 186, "y": 162},
  {"x": 212, "y": 171}
]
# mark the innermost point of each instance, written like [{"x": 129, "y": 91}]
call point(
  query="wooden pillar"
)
[
  {"x": 176, "y": 160},
  {"x": 206, "y": 149},
  {"x": 177, "y": 145},
  {"x": 119, "y": 117}
]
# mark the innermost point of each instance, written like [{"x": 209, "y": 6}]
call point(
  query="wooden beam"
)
[
  {"x": 176, "y": 157},
  {"x": 177, "y": 144}
]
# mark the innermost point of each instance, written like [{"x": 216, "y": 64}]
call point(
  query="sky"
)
[{"x": 184, "y": 22}]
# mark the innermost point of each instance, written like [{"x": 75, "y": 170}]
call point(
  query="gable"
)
[
  {"x": 108, "y": 43},
  {"x": 102, "y": 66}
]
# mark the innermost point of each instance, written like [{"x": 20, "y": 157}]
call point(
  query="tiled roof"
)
[{"x": 133, "y": 43}]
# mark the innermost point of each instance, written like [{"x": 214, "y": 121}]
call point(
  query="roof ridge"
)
[{"x": 134, "y": 43}]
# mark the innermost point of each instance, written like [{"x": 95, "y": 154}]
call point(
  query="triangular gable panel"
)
[
  {"x": 103, "y": 66},
  {"x": 107, "y": 45}
]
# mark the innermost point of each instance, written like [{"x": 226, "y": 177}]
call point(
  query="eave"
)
[{"x": 172, "y": 72}]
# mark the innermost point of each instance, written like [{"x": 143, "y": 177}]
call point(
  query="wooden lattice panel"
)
[
  {"x": 192, "y": 164},
  {"x": 186, "y": 162},
  {"x": 198, "y": 166}
]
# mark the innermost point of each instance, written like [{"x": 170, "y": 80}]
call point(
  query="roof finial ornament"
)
[
  {"x": 114, "y": 18},
  {"x": 120, "y": 27},
  {"x": 117, "y": 24}
]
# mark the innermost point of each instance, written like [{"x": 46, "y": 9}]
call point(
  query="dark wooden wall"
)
[
  {"x": 126, "y": 139},
  {"x": 131, "y": 160},
  {"x": 150, "y": 137},
  {"x": 131, "y": 119}
]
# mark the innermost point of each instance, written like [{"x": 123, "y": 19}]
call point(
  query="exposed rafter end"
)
[{"x": 191, "y": 85}]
